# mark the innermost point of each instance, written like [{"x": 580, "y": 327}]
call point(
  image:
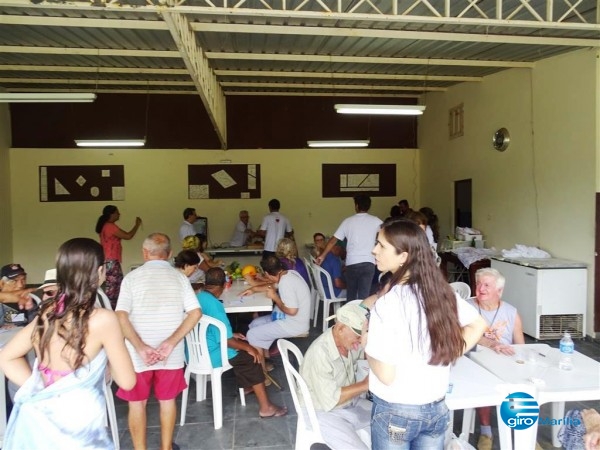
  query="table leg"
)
[
  {"x": 467, "y": 425},
  {"x": 504, "y": 432},
  {"x": 558, "y": 412},
  {"x": 526, "y": 439}
]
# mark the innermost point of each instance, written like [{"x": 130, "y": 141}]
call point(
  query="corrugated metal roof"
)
[{"x": 278, "y": 47}]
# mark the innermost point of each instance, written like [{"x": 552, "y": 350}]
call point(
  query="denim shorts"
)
[{"x": 402, "y": 427}]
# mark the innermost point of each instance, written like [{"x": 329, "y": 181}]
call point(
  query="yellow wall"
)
[
  {"x": 156, "y": 190},
  {"x": 5, "y": 210},
  {"x": 540, "y": 192}
]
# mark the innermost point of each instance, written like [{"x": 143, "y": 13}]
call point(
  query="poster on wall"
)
[
  {"x": 217, "y": 181},
  {"x": 82, "y": 183},
  {"x": 348, "y": 180}
]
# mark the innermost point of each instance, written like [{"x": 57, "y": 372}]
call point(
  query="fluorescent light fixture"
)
[
  {"x": 110, "y": 142},
  {"x": 391, "y": 110},
  {"x": 345, "y": 144},
  {"x": 47, "y": 97}
]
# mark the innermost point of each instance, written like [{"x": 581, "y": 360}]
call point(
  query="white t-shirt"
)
[
  {"x": 396, "y": 338},
  {"x": 156, "y": 296},
  {"x": 275, "y": 225},
  {"x": 361, "y": 231},
  {"x": 238, "y": 239},
  {"x": 186, "y": 229},
  {"x": 295, "y": 293}
]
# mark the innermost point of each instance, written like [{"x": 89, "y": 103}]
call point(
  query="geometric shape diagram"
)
[
  {"x": 67, "y": 183},
  {"x": 347, "y": 180},
  {"x": 221, "y": 181}
]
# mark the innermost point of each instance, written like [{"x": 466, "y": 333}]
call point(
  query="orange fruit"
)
[{"x": 249, "y": 270}]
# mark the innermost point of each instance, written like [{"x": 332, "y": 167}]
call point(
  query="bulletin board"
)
[
  {"x": 218, "y": 181},
  {"x": 82, "y": 183},
  {"x": 348, "y": 180}
]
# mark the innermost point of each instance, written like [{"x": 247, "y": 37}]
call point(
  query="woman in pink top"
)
[{"x": 110, "y": 238}]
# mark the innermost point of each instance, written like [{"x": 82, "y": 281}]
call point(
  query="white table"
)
[
  {"x": 550, "y": 384},
  {"x": 473, "y": 387},
  {"x": 234, "y": 303},
  {"x": 5, "y": 336}
]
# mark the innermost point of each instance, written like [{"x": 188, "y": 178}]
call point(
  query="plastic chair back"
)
[
  {"x": 326, "y": 294},
  {"x": 462, "y": 289},
  {"x": 308, "y": 431},
  {"x": 199, "y": 363}
]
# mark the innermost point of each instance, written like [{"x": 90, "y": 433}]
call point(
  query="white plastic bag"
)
[{"x": 459, "y": 443}]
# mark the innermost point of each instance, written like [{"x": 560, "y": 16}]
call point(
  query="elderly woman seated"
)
[
  {"x": 287, "y": 252},
  {"x": 291, "y": 309},
  {"x": 196, "y": 243}
]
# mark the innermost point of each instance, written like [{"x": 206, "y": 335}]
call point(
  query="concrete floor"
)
[{"x": 242, "y": 428}]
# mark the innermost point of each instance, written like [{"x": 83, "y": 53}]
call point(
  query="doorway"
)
[{"x": 462, "y": 203}]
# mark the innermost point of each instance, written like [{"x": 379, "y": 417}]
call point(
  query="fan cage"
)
[{"x": 554, "y": 326}]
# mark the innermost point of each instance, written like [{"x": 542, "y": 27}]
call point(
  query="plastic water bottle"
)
[{"x": 566, "y": 352}]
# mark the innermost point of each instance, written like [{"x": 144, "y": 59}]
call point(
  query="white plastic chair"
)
[
  {"x": 308, "y": 431},
  {"x": 326, "y": 294},
  {"x": 35, "y": 298},
  {"x": 462, "y": 289},
  {"x": 102, "y": 301},
  {"x": 199, "y": 364},
  {"x": 314, "y": 294}
]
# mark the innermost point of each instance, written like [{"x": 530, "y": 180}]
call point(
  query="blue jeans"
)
[
  {"x": 358, "y": 280},
  {"x": 408, "y": 427}
]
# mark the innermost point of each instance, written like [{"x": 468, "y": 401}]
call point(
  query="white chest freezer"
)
[{"x": 549, "y": 294}]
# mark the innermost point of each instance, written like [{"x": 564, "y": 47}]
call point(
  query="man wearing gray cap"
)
[{"x": 329, "y": 369}]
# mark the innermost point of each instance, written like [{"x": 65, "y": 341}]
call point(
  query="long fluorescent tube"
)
[
  {"x": 110, "y": 142},
  {"x": 392, "y": 110},
  {"x": 346, "y": 144},
  {"x": 47, "y": 97}
]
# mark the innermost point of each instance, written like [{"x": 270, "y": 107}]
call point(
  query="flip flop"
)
[{"x": 279, "y": 412}]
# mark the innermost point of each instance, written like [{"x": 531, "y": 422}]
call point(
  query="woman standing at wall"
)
[
  {"x": 110, "y": 238},
  {"x": 417, "y": 328}
]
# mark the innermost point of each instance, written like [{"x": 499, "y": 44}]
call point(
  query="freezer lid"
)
[{"x": 543, "y": 263}]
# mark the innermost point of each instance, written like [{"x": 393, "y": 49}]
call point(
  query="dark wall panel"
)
[{"x": 181, "y": 121}]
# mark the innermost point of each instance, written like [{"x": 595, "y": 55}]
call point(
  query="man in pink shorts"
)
[{"x": 156, "y": 308}]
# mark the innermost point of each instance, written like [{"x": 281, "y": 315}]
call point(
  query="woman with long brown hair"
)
[
  {"x": 62, "y": 397},
  {"x": 418, "y": 327}
]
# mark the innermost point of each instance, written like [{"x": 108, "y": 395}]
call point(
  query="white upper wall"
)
[{"x": 541, "y": 191}]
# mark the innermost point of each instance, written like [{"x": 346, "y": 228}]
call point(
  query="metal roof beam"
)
[
  {"x": 264, "y": 57},
  {"x": 448, "y": 12},
  {"x": 91, "y": 69},
  {"x": 343, "y": 75},
  {"x": 90, "y": 51},
  {"x": 372, "y": 87},
  {"x": 197, "y": 64},
  {"x": 367, "y": 60},
  {"x": 392, "y": 34}
]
